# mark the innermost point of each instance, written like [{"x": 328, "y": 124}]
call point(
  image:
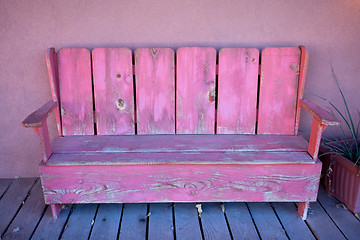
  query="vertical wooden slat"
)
[
  {"x": 278, "y": 90},
  {"x": 155, "y": 90},
  {"x": 304, "y": 60},
  {"x": 52, "y": 66},
  {"x": 237, "y": 90},
  {"x": 113, "y": 90},
  {"x": 195, "y": 86},
  {"x": 76, "y": 91}
]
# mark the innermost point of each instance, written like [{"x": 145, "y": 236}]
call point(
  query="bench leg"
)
[
  {"x": 55, "y": 210},
  {"x": 303, "y": 209}
]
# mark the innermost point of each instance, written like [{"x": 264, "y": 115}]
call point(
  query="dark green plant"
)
[{"x": 345, "y": 146}]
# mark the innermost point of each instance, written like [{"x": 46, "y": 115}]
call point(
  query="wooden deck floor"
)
[{"x": 23, "y": 215}]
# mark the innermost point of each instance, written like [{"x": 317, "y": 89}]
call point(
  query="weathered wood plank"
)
[
  {"x": 180, "y": 183},
  {"x": 155, "y": 90},
  {"x": 186, "y": 221},
  {"x": 240, "y": 221},
  {"x": 133, "y": 224},
  {"x": 195, "y": 86},
  {"x": 12, "y": 200},
  {"x": 237, "y": 90},
  {"x": 76, "y": 91},
  {"x": 345, "y": 220},
  {"x": 4, "y": 184},
  {"x": 321, "y": 225},
  {"x": 266, "y": 222},
  {"x": 107, "y": 222},
  {"x": 25, "y": 221},
  {"x": 278, "y": 90},
  {"x": 50, "y": 228},
  {"x": 113, "y": 91},
  {"x": 295, "y": 227},
  {"x": 213, "y": 222},
  {"x": 192, "y": 158},
  {"x": 52, "y": 66},
  {"x": 179, "y": 143},
  {"x": 161, "y": 221},
  {"x": 304, "y": 61},
  {"x": 80, "y": 222}
]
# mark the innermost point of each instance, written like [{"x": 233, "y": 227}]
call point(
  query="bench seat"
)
[{"x": 179, "y": 149}]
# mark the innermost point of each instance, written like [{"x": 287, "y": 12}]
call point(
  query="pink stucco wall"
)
[{"x": 329, "y": 28}]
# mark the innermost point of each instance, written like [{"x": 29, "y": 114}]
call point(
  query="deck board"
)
[
  {"x": 186, "y": 222},
  {"x": 49, "y": 228},
  {"x": 80, "y": 222},
  {"x": 22, "y": 208},
  {"x": 213, "y": 222},
  {"x": 321, "y": 224},
  {"x": 25, "y": 221},
  {"x": 4, "y": 184},
  {"x": 107, "y": 222},
  {"x": 133, "y": 224},
  {"x": 348, "y": 223},
  {"x": 240, "y": 222},
  {"x": 266, "y": 222},
  {"x": 12, "y": 200},
  {"x": 295, "y": 227},
  {"x": 161, "y": 221}
]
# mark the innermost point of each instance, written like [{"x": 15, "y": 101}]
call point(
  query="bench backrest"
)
[{"x": 103, "y": 92}]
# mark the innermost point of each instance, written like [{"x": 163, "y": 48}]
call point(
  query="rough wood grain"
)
[
  {"x": 191, "y": 158},
  {"x": 76, "y": 91},
  {"x": 113, "y": 91},
  {"x": 133, "y": 225},
  {"x": 213, "y": 222},
  {"x": 266, "y": 222},
  {"x": 180, "y": 183},
  {"x": 295, "y": 227},
  {"x": 179, "y": 143},
  {"x": 50, "y": 228},
  {"x": 107, "y": 222},
  {"x": 237, "y": 90},
  {"x": 81, "y": 218},
  {"x": 240, "y": 221},
  {"x": 52, "y": 66},
  {"x": 186, "y": 221},
  {"x": 13, "y": 199},
  {"x": 161, "y": 221},
  {"x": 195, "y": 87},
  {"x": 321, "y": 225},
  {"x": 155, "y": 90},
  {"x": 25, "y": 221},
  {"x": 278, "y": 90},
  {"x": 304, "y": 61},
  {"x": 343, "y": 218}
]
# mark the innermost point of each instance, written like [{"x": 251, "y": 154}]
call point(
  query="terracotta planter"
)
[{"x": 342, "y": 180}]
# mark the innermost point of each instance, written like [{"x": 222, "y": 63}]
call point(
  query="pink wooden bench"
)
[{"x": 206, "y": 129}]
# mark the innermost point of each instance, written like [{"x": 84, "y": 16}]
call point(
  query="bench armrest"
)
[
  {"x": 37, "y": 118},
  {"x": 320, "y": 114},
  {"x": 321, "y": 119}
]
